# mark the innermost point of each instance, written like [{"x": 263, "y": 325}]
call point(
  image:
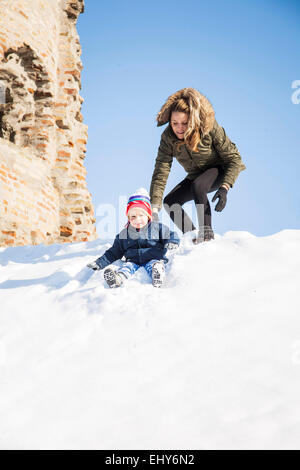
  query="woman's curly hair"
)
[{"x": 198, "y": 109}]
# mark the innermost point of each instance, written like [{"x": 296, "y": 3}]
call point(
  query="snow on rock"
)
[{"x": 210, "y": 361}]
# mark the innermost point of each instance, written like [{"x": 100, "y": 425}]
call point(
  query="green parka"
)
[{"x": 215, "y": 149}]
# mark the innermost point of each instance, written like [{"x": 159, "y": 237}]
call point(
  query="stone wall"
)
[{"x": 43, "y": 192}]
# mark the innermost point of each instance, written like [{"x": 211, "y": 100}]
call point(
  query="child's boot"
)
[
  {"x": 112, "y": 278},
  {"x": 158, "y": 274}
]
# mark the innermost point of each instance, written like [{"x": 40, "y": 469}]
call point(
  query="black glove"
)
[
  {"x": 155, "y": 217},
  {"x": 170, "y": 246},
  {"x": 93, "y": 265},
  {"x": 222, "y": 195}
]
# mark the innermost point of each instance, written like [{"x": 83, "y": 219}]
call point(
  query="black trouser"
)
[{"x": 188, "y": 190}]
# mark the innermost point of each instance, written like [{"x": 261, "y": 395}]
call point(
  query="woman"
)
[{"x": 200, "y": 145}]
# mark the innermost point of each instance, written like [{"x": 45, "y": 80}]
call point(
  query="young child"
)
[{"x": 143, "y": 242}]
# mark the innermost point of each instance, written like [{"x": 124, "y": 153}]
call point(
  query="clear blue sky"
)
[{"x": 243, "y": 55}]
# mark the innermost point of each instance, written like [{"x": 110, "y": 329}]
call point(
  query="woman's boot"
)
[{"x": 204, "y": 234}]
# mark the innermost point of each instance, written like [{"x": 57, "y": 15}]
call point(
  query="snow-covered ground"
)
[{"x": 210, "y": 361}]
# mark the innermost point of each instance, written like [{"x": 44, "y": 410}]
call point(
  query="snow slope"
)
[{"x": 210, "y": 361}]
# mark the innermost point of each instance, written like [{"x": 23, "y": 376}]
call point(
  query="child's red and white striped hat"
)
[{"x": 140, "y": 199}]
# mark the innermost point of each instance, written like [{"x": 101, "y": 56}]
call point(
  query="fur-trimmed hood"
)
[{"x": 193, "y": 98}]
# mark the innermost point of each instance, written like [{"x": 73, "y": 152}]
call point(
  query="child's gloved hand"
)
[
  {"x": 93, "y": 265},
  {"x": 171, "y": 246}
]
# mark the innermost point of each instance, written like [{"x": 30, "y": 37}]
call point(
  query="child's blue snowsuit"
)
[{"x": 139, "y": 247}]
